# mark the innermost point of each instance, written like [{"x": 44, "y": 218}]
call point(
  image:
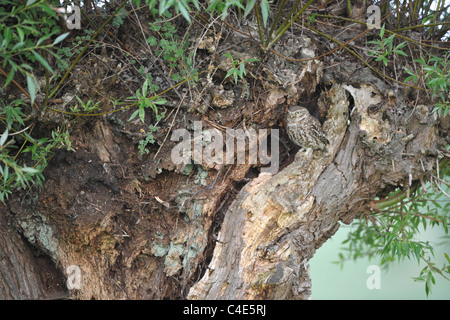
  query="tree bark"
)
[
  {"x": 148, "y": 229},
  {"x": 25, "y": 274},
  {"x": 275, "y": 225}
]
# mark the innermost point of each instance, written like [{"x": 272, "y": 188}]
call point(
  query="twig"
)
[
  {"x": 19, "y": 132},
  {"x": 57, "y": 87},
  {"x": 171, "y": 126},
  {"x": 439, "y": 187},
  {"x": 20, "y": 87},
  {"x": 157, "y": 58}
]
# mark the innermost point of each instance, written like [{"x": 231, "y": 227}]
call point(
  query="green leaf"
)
[
  {"x": 401, "y": 45},
  {"x": 265, "y": 11},
  {"x": 18, "y": 45},
  {"x": 196, "y": 4},
  {"x": 21, "y": 34},
  {"x": 382, "y": 30},
  {"x": 249, "y": 7},
  {"x": 26, "y": 66},
  {"x": 44, "y": 7},
  {"x": 42, "y": 39},
  {"x": 30, "y": 2},
  {"x": 7, "y": 37},
  {"x": 412, "y": 77},
  {"x": 134, "y": 115},
  {"x": 228, "y": 55},
  {"x": 408, "y": 71},
  {"x": 4, "y": 137},
  {"x": 164, "y": 5},
  {"x": 142, "y": 114},
  {"x": 215, "y": 5},
  {"x": 10, "y": 77},
  {"x": 400, "y": 52},
  {"x": 29, "y": 170},
  {"x": 29, "y": 138},
  {"x": 429, "y": 281},
  {"x": 31, "y": 85},
  {"x": 144, "y": 88},
  {"x": 230, "y": 72},
  {"x": 60, "y": 38},
  {"x": 42, "y": 61},
  {"x": 242, "y": 71},
  {"x": 6, "y": 174},
  {"x": 151, "y": 41},
  {"x": 421, "y": 61},
  {"x": 181, "y": 7},
  {"x": 160, "y": 101},
  {"x": 390, "y": 42},
  {"x": 417, "y": 252}
]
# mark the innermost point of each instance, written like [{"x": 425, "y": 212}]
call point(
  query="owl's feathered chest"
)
[{"x": 306, "y": 131}]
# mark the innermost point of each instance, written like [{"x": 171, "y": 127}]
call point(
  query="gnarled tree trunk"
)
[
  {"x": 275, "y": 224},
  {"x": 149, "y": 229}
]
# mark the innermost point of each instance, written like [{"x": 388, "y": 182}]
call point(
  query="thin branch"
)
[
  {"x": 171, "y": 125},
  {"x": 280, "y": 31},
  {"x": 258, "y": 19},
  {"x": 434, "y": 268},
  {"x": 439, "y": 187},
  {"x": 392, "y": 200},
  {"x": 20, "y": 87},
  {"x": 276, "y": 19},
  {"x": 19, "y": 132},
  {"x": 55, "y": 90},
  {"x": 343, "y": 45}
]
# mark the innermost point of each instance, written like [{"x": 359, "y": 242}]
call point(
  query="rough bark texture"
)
[
  {"x": 145, "y": 228},
  {"x": 24, "y": 273},
  {"x": 276, "y": 224}
]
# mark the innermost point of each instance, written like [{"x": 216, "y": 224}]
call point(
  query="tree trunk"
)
[
  {"x": 150, "y": 229},
  {"x": 24, "y": 273},
  {"x": 275, "y": 225}
]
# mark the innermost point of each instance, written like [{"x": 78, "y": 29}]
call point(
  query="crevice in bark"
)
[{"x": 26, "y": 272}]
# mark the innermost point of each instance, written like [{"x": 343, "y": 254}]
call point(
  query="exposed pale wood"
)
[{"x": 275, "y": 225}]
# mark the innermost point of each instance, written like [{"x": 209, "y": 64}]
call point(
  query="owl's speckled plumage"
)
[{"x": 305, "y": 130}]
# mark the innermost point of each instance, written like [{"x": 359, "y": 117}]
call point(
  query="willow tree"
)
[{"x": 144, "y": 156}]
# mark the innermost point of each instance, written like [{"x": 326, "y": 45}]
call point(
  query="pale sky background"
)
[{"x": 330, "y": 282}]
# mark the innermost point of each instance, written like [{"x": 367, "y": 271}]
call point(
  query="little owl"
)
[{"x": 305, "y": 130}]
